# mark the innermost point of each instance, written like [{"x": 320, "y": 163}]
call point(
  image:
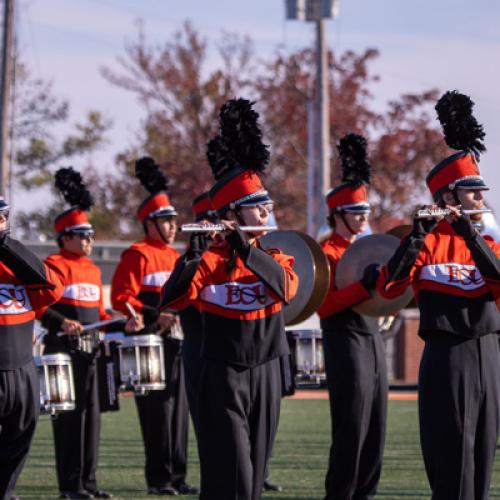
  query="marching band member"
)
[
  {"x": 241, "y": 289},
  {"x": 27, "y": 285},
  {"x": 138, "y": 279},
  {"x": 353, "y": 347},
  {"x": 455, "y": 274},
  {"x": 76, "y": 433}
]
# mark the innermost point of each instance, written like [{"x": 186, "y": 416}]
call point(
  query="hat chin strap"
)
[
  {"x": 342, "y": 214},
  {"x": 155, "y": 222},
  {"x": 241, "y": 222}
]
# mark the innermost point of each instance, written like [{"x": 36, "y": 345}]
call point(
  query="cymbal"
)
[
  {"x": 312, "y": 268},
  {"x": 372, "y": 249}
]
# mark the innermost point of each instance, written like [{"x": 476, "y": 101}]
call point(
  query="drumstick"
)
[{"x": 132, "y": 312}]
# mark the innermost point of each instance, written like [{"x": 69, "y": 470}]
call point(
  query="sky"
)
[{"x": 444, "y": 44}]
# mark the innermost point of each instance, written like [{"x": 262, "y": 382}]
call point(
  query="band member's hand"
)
[
  {"x": 426, "y": 225},
  {"x": 370, "y": 276},
  {"x": 71, "y": 327},
  {"x": 166, "y": 320},
  {"x": 461, "y": 223},
  {"x": 135, "y": 324},
  {"x": 239, "y": 241},
  {"x": 198, "y": 243}
]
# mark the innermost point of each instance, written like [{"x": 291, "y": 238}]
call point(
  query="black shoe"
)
[
  {"x": 186, "y": 489},
  {"x": 271, "y": 487},
  {"x": 75, "y": 494},
  {"x": 164, "y": 490},
  {"x": 100, "y": 494}
]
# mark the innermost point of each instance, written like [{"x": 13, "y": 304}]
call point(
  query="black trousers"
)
[
  {"x": 238, "y": 418},
  {"x": 192, "y": 362},
  {"x": 459, "y": 411},
  {"x": 164, "y": 419},
  {"x": 77, "y": 433},
  {"x": 357, "y": 385},
  {"x": 19, "y": 409}
]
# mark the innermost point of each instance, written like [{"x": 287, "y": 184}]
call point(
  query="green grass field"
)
[{"x": 299, "y": 460}]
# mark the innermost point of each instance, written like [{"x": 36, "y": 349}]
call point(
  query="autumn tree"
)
[
  {"x": 181, "y": 95},
  {"x": 40, "y": 149},
  {"x": 403, "y": 143}
]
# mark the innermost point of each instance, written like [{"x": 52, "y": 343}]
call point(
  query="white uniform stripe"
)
[
  {"x": 157, "y": 279},
  {"x": 463, "y": 276},
  {"x": 14, "y": 299}
]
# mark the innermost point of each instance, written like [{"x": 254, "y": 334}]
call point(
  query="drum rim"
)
[
  {"x": 60, "y": 358},
  {"x": 148, "y": 340}
]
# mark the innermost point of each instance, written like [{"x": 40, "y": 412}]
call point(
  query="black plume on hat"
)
[
  {"x": 150, "y": 175},
  {"x": 75, "y": 192},
  {"x": 217, "y": 156},
  {"x": 461, "y": 129},
  {"x": 355, "y": 166},
  {"x": 240, "y": 140}
]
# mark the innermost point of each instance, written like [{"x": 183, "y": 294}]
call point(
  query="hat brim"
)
[
  {"x": 473, "y": 183},
  {"x": 359, "y": 208},
  {"x": 163, "y": 213},
  {"x": 81, "y": 229},
  {"x": 257, "y": 200}
]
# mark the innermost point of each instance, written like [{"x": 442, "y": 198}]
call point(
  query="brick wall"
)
[{"x": 409, "y": 348}]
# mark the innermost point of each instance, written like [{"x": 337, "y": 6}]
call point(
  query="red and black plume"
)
[
  {"x": 460, "y": 127},
  {"x": 353, "y": 155},
  {"x": 69, "y": 183}
]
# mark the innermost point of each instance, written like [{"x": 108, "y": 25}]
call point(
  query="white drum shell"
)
[
  {"x": 309, "y": 356},
  {"x": 142, "y": 363},
  {"x": 57, "y": 386}
]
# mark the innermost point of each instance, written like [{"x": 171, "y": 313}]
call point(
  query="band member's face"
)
[
  {"x": 357, "y": 222},
  {"x": 4, "y": 221},
  {"x": 257, "y": 215},
  {"x": 163, "y": 229},
  {"x": 79, "y": 244},
  {"x": 470, "y": 199}
]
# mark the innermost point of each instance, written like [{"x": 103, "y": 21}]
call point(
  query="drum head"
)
[
  {"x": 311, "y": 266},
  {"x": 372, "y": 249}
]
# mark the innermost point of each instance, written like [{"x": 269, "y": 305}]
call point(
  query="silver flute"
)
[
  {"x": 437, "y": 212},
  {"x": 220, "y": 228}
]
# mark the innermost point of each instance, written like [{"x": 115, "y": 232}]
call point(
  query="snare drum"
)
[
  {"x": 306, "y": 347},
  {"x": 142, "y": 364},
  {"x": 57, "y": 387}
]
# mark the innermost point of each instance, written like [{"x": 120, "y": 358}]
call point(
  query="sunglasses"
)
[
  {"x": 267, "y": 205},
  {"x": 88, "y": 235}
]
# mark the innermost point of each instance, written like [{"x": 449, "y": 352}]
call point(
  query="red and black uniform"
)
[
  {"x": 241, "y": 300},
  {"x": 76, "y": 433},
  {"x": 357, "y": 384},
  {"x": 26, "y": 286},
  {"x": 163, "y": 415},
  {"x": 455, "y": 274}
]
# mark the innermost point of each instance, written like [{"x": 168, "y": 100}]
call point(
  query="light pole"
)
[
  {"x": 5, "y": 92},
  {"x": 317, "y": 11}
]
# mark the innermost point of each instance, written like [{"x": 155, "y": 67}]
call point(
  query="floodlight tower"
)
[{"x": 317, "y": 11}]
